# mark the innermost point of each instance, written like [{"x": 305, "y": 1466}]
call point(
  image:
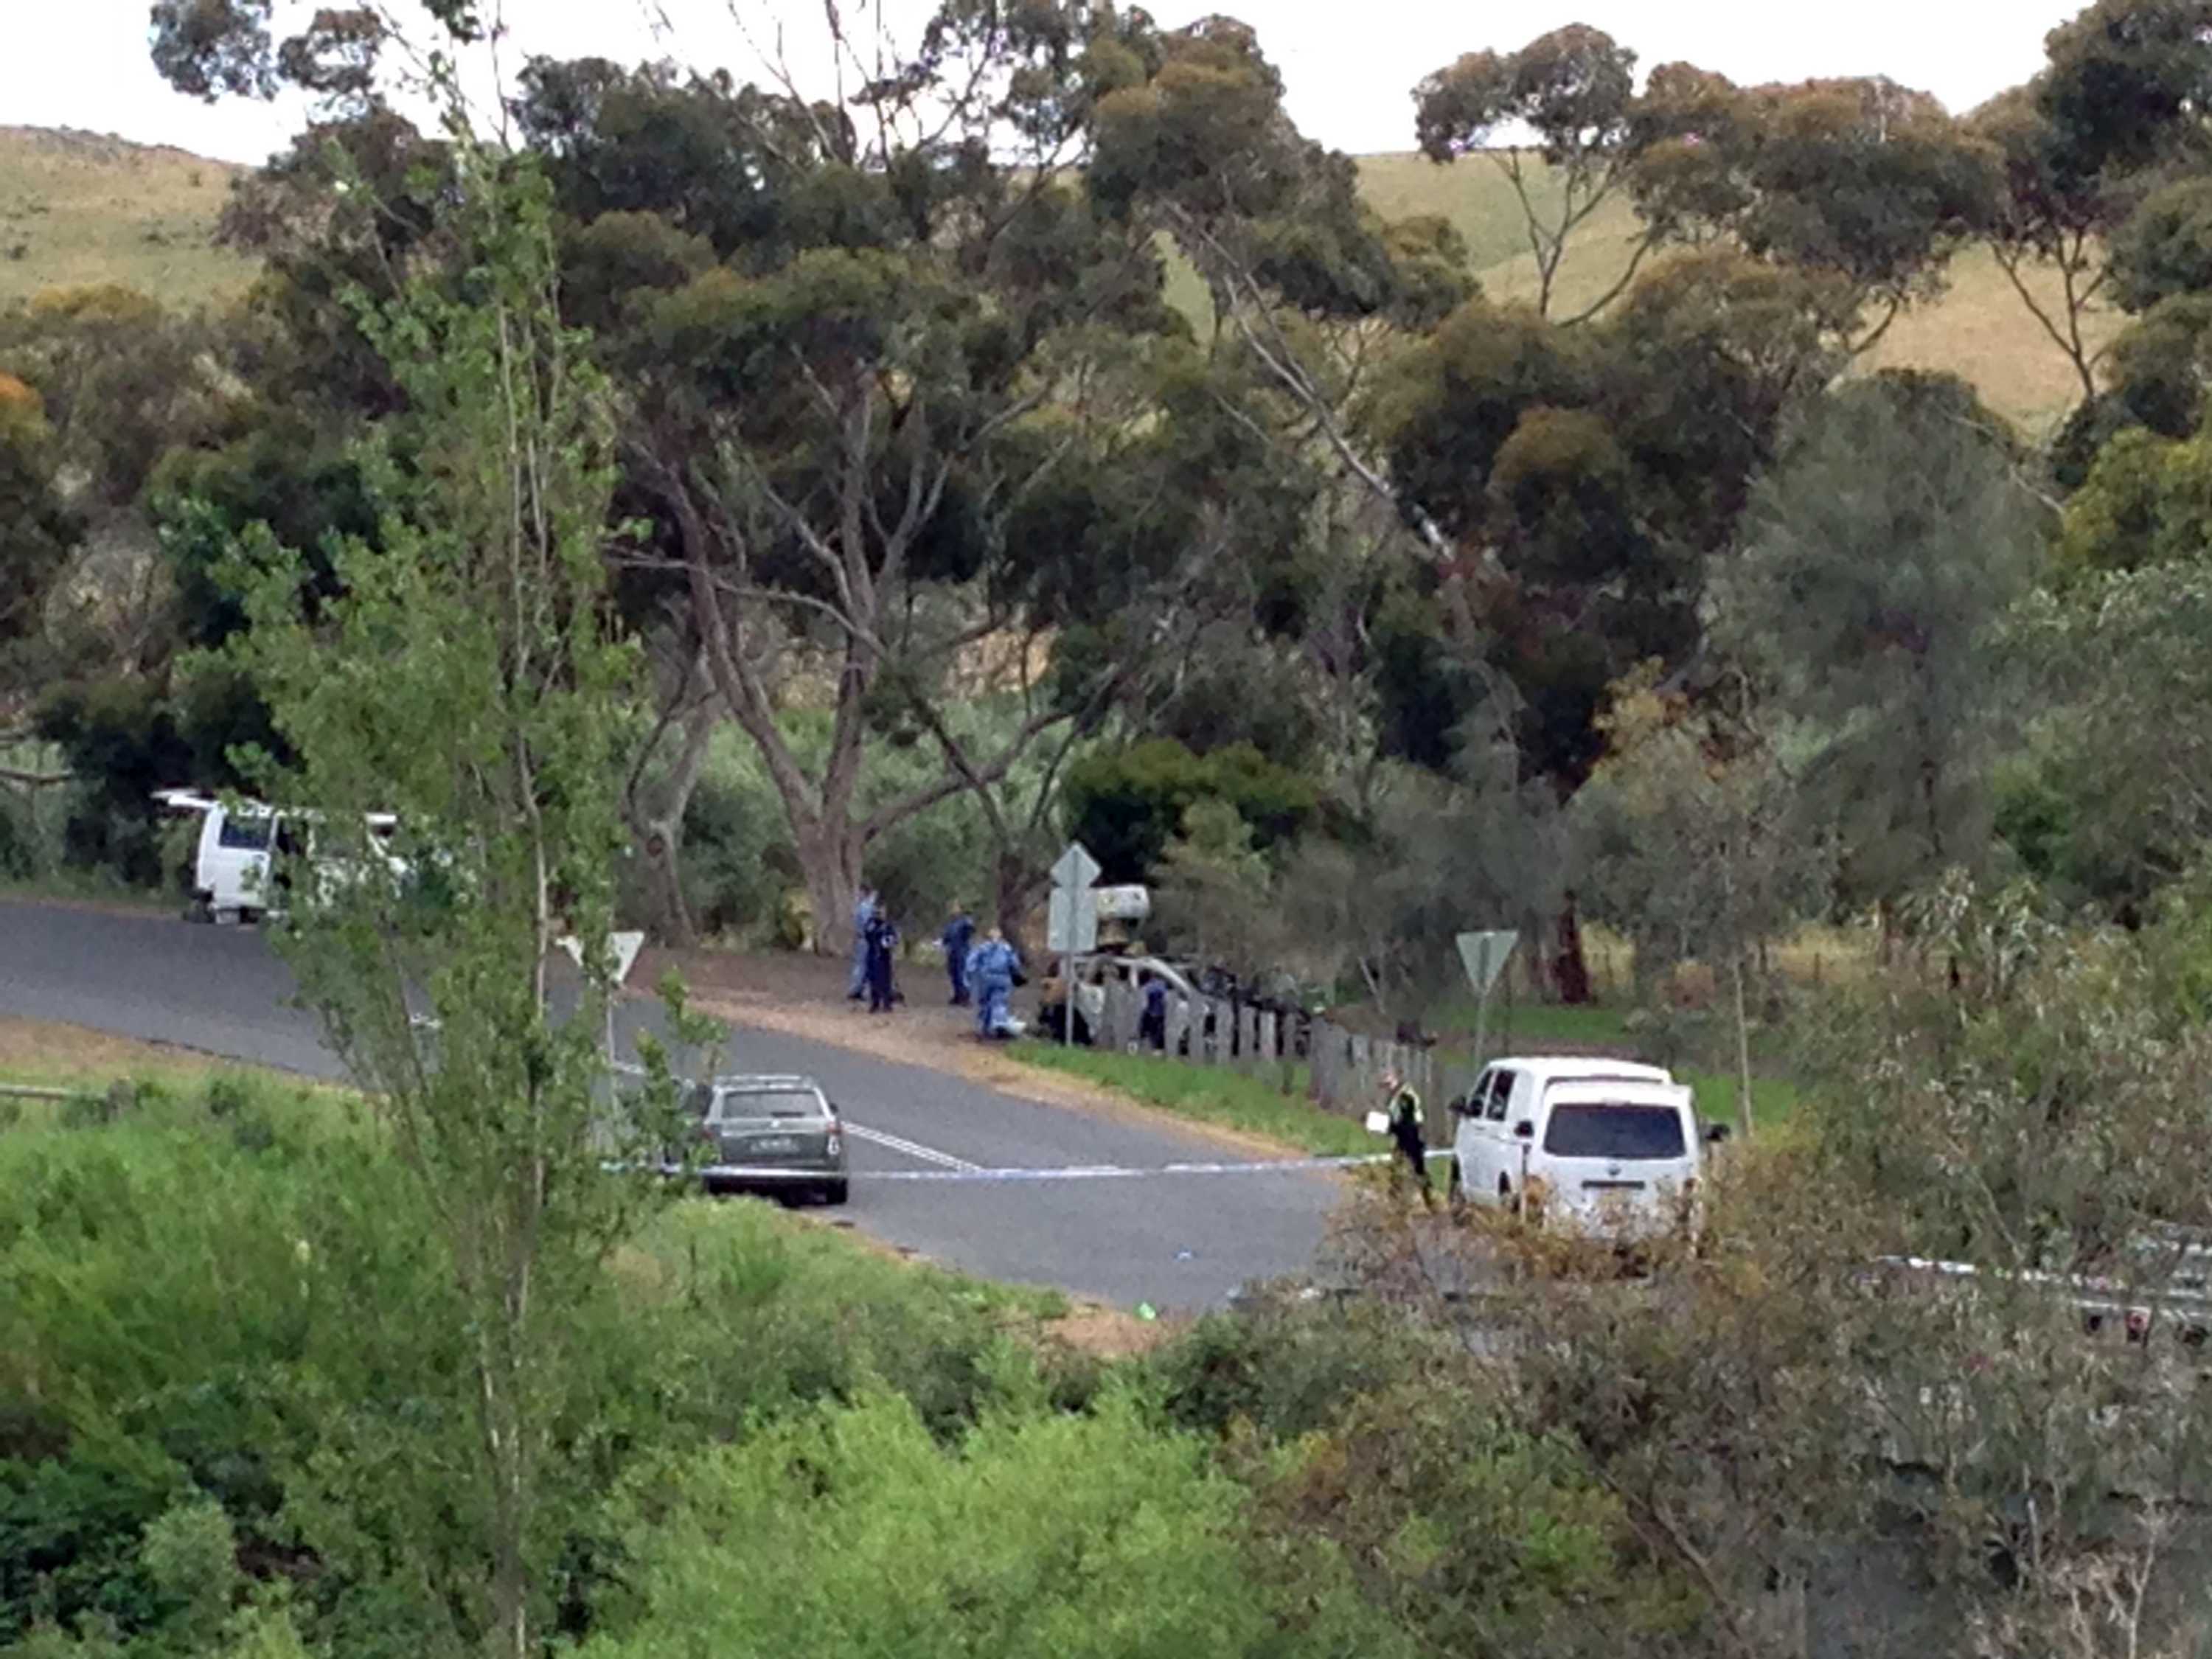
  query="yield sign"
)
[
  {"x": 621, "y": 952},
  {"x": 1076, "y": 870},
  {"x": 1484, "y": 955}
]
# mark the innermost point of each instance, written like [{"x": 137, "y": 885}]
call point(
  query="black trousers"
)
[{"x": 1416, "y": 1155}]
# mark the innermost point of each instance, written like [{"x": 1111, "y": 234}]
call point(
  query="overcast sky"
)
[{"x": 1348, "y": 68}]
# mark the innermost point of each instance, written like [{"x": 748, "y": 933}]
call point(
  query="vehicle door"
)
[
  {"x": 234, "y": 859},
  {"x": 1487, "y": 1160},
  {"x": 1513, "y": 1102},
  {"x": 1467, "y": 1132}
]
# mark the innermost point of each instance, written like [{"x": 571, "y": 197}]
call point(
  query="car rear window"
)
[
  {"x": 732, "y": 1104},
  {"x": 1610, "y": 1129},
  {"x": 243, "y": 835}
]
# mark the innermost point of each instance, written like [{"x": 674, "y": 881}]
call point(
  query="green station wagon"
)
[{"x": 777, "y": 1134}]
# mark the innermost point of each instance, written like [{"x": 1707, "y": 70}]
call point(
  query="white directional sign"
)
[
  {"x": 1484, "y": 955},
  {"x": 1082, "y": 938},
  {"x": 1076, "y": 868}
]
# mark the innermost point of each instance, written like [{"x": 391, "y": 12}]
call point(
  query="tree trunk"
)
[
  {"x": 1015, "y": 888},
  {"x": 1571, "y": 969},
  {"x": 1742, "y": 1047},
  {"x": 660, "y": 837},
  {"x": 662, "y": 845},
  {"x": 510, "y": 1573},
  {"x": 830, "y": 863}
]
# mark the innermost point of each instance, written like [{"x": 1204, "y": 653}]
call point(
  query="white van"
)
[
  {"x": 1603, "y": 1147},
  {"x": 231, "y": 880}
]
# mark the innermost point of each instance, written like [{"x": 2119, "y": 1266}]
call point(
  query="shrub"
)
[
  {"x": 850, "y": 1532},
  {"x": 1126, "y": 805}
]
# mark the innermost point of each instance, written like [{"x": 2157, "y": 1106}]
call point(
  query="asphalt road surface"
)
[{"x": 1036, "y": 1193}]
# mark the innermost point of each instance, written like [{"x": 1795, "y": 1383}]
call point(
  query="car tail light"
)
[{"x": 836, "y": 1141}]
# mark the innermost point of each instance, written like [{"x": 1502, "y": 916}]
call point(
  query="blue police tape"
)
[{"x": 1117, "y": 1172}]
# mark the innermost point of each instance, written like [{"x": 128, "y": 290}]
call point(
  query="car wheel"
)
[{"x": 836, "y": 1192}]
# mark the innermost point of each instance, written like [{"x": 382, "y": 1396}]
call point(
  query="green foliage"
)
[
  {"x": 1125, "y": 806},
  {"x": 2164, "y": 248},
  {"x": 36, "y": 529},
  {"x": 1689, "y": 843},
  {"x": 121, "y": 381},
  {"x": 1883, "y": 550},
  {"x": 1597, "y": 468},
  {"x": 1433, "y": 858},
  {"x": 235, "y": 1299},
  {"x": 125, "y": 737},
  {"x": 2124, "y": 662},
  {"x": 855, "y": 1533},
  {"x": 1370, "y": 1450},
  {"x": 2125, "y": 81},
  {"x": 1861, "y": 180},
  {"x": 464, "y": 678},
  {"x": 1574, "y": 89},
  {"x": 1216, "y": 892},
  {"x": 2038, "y": 1114}
]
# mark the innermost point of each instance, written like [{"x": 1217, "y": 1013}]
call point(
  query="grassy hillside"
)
[
  {"x": 78, "y": 208},
  {"x": 1979, "y": 329}
]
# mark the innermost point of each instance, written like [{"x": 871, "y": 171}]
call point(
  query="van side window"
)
[
  {"x": 1501, "y": 1091},
  {"x": 243, "y": 835}
]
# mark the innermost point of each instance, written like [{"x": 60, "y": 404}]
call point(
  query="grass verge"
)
[
  {"x": 1217, "y": 1096},
  {"x": 46, "y": 1053},
  {"x": 1206, "y": 1094}
]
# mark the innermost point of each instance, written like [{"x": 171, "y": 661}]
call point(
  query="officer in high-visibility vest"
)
[{"x": 1404, "y": 1111}]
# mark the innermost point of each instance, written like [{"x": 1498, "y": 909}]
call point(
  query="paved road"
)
[{"x": 1175, "y": 1240}]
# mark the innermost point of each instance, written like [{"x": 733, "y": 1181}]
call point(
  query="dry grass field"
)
[
  {"x": 1978, "y": 329},
  {"x": 77, "y": 208}
]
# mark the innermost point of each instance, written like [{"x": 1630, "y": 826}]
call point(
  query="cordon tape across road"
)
[{"x": 972, "y": 1172}]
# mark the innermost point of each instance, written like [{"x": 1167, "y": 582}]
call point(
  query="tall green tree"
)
[
  {"x": 464, "y": 678},
  {"x": 1574, "y": 88},
  {"x": 837, "y": 425},
  {"x": 1867, "y": 184},
  {"x": 1878, "y": 558},
  {"x": 38, "y": 530}
]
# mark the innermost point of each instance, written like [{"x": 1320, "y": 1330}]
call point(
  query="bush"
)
[
  {"x": 224, "y": 1306},
  {"x": 736, "y": 859},
  {"x": 1126, "y": 805},
  {"x": 851, "y": 1532}
]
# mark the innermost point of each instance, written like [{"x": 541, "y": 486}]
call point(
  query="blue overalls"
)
[{"x": 991, "y": 971}]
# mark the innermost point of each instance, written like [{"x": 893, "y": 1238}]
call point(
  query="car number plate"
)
[{"x": 774, "y": 1143}]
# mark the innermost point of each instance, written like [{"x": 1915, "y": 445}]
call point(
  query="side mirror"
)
[
  {"x": 1457, "y": 1106},
  {"x": 1524, "y": 1130},
  {"x": 1716, "y": 1134}
]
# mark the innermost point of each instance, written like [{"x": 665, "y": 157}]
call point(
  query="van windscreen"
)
[{"x": 1610, "y": 1129}]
